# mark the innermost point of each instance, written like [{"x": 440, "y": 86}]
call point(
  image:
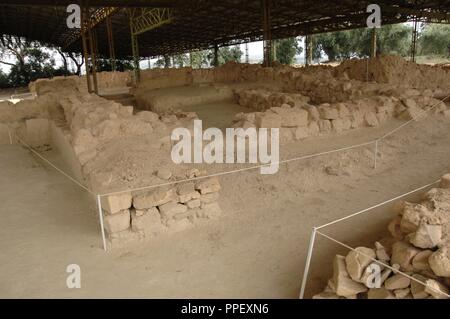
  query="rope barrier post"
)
[
  {"x": 100, "y": 215},
  {"x": 308, "y": 262},
  {"x": 10, "y": 136},
  {"x": 375, "y": 155}
]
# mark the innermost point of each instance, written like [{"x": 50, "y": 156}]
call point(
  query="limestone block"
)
[
  {"x": 380, "y": 293},
  {"x": 358, "y": 260},
  {"x": 402, "y": 254},
  {"x": 149, "y": 223},
  {"x": 445, "y": 181},
  {"x": 417, "y": 288},
  {"x": 187, "y": 192},
  {"x": 426, "y": 236},
  {"x": 436, "y": 289},
  {"x": 337, "y": 125},
  {"x": 327, "y": 112},
  {"x": 164, "y": 174},
  {"x": 440, "y": 262},
  {"x": 325, "y": 126},
  {"x": 345, "y": 286},
  {"x": 397, "y": 281},
  {"x": 268, "y": 120},
  {"x": 207, "y": 186},
  {"x": 301, "y": 133},
  {"x": 402, "y": 293},
  {"x": 117, "y": 222},
  {"x": 171, "y": 209},
  {"x": 420, "y": 261},
  {"x": 153, "y": 198},
  {"x": 195, "y": 203},
  {"x": 116, "y": 203},
  {"x": 209, "y": 198},
  {"x": 371, "y": 119},
  {"x": 294, "y": 118}
]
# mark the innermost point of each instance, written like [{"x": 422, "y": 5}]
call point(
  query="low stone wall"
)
[
  {"x": 297, "y": 119},
  {"x": 150, "y": 213}
]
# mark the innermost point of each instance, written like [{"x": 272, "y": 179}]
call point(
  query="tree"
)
[
  {"x": 391, "y": 39},
  {"x": 286, "y": 50},
  {"x": 78, "y": 59},
  {"x": 228, "y": 54},
  {"x": 199, "y": 59},
  {"x": 180, "y": 60},
  {"x": 435, "y": 40}
]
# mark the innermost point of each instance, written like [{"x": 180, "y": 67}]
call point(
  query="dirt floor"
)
[{"x": 256, "y": 250}]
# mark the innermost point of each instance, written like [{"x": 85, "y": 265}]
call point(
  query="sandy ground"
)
[{"x": 257, "y": 250}]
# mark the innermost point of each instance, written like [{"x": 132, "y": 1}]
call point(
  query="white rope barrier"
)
[
  {"x": 316, "y": 231},
  {"x": 396, "y": 271},
  {"x": 376, "y": 142},
  {"x": 240, "y": 170},
  {"x": 54, "y": 166},
  {"x": 378, "y": 205}
]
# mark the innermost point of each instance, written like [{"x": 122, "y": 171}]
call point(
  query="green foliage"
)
[
  {"x": 104, "y": 65},
  {"x": 391, "y": 39},
  {"x": 286, "y": 50},
  {"x": 199, "y": 59},
  {"x": 4, "y": 80},
  {"x": 228, "y": 54},
  {"x": 435, "y": 40},
  {"x": 180, "y": 60}
]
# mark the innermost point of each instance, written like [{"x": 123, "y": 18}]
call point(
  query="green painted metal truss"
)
[{"x": 146, "y": 19}]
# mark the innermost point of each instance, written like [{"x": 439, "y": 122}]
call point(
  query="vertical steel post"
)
[
  {"x": 373, "y": 47},
  {"x": 414, "y": 40},
  {"x": 135, "y": 50},
  {"x": 93, "y": 56},
  {"x": 100, "y": 215},
  {"x": 84, "y": 16},
  {"x": 267, "y": 36},
  {"x": 308, "y": 262},
  {"x": 112, "y": 52}
]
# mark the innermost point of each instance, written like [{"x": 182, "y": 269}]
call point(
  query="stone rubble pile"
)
[
  {"x": 419, "y": 246},
  {"x": 169, "y": 209}
]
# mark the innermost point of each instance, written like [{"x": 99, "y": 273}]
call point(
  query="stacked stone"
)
[
  {"x": 152, "y": 212},
  {"x": 420, "y": 248},
  {"x": 297, "y": 119},
  {"x": 261, "y": 100}
]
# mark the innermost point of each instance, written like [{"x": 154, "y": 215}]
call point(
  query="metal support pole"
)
[
  {"x": 414, "y": 40},
  {"x": 373, "y": 47},
  {"x": 135, "y": 49},
  {"x": 112, "y": 52},
  {"x": 84, "y": 16},
  {"x": 267, "y": 35},
  {"x": 308, "y": 49},
  {"x": 308, "y": 262},
  {"x": 93, "y": 56},
  {"x": 216, "y": 55},
  {"x": 100, "y": 215}
]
